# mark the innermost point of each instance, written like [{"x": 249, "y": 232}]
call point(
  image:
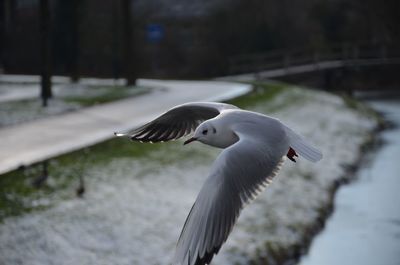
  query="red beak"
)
[{"x": 190, "y": 140}]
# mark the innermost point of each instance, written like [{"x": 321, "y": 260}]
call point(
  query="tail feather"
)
[{"x": 302, "y": 147}]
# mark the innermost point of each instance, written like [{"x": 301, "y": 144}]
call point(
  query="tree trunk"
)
[
  {"x": 129, "y": 71},
  {"x": 45, "y": 51},
  {"x": 75, "y": 21},
  {"x": 2, "y": 30},
  {"x": 116, "y": 50}
]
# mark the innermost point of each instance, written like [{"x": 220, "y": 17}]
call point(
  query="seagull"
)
[{"x": 254, "y": 148}]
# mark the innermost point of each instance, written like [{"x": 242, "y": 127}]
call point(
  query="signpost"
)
[{"x": 155, "y": 34}]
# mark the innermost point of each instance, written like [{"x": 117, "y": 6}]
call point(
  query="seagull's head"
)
[
  {"x": 205, "y": 133},
  {"x": 213, "y": 133}
]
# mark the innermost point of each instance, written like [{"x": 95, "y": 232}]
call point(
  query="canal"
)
[{"x": 365, "y": 225}]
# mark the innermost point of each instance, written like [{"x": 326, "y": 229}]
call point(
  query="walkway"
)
[{"x": 39, "y": 140}]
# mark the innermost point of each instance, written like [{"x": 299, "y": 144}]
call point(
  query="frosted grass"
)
[{"x": 134, "y": 209}]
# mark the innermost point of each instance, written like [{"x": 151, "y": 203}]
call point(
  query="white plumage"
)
[{"x": 254, "y": 145}]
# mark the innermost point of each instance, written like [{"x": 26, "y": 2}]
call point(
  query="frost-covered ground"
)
[
  {"x": 365, "y": 226},
  {"x": 133, "y": 210},
  {"x": 20, "y": 102}
]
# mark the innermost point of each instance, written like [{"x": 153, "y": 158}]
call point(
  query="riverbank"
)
[
  {"x": 125, "y": 216},
  {"x": 364, "y": 228},
  {"x": 298, "y": 203}
]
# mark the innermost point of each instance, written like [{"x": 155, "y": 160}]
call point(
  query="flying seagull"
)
[{"x": 255, "y": 146}]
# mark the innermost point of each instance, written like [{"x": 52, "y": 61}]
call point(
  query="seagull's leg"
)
[{"x": 291, "y": 153}]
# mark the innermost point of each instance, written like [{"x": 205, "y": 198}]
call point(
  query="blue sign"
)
[{"x": 155, "y": 33}]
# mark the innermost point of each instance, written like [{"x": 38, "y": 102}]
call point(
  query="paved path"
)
[{"x": 42, "y": 139}]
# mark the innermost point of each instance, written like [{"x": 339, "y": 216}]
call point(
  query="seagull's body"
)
[{"x": 255, "y": 146}]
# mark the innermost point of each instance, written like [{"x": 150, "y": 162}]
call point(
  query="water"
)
[{"x": 365, "y": 226}]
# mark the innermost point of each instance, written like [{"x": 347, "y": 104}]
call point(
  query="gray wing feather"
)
[
  {"x": 238, "y": 175},
  {"x": 177, "y": 122}
]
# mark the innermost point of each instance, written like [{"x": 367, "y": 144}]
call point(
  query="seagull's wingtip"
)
[{"x": 119, "y": 134}]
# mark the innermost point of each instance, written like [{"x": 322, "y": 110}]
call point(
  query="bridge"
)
[{"x": 283, "y": 62}]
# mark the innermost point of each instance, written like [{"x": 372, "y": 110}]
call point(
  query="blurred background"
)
[
  {"x": 178, "y": 39},
  {"x": 73, "y": 72}
]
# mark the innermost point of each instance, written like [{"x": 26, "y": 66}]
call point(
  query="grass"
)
[
  {"x": 18, "y": 195},
  {"x": 109, "y": 94},
  {"x": 354, "y": 104},
  {"x": 67, "y": 99},
  {"x": 30, "y": 109},
  {"x": 262, "y": 92}
]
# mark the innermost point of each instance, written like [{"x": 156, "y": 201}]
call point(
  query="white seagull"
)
[{"x": 255, "y": 146}]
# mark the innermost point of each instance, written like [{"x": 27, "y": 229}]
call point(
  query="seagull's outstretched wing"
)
[
  {"x": 238, "y": 175},
  {"x": 177, "y": 122}
]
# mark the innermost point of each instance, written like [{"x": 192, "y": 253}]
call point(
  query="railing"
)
[{"x": 351, "y": 54}]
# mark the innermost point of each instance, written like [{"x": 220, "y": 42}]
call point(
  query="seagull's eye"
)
[
  {"x": 214, "y": 130},
  {"x": 204, "y": 132}
]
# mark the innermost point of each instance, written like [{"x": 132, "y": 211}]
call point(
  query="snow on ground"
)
[
  {"x": 20, "y": 102},
  {"x": 22, "y": 91},
  {"x": 134, "y": 209},
  {"x": 365, "y": 226},
  {"x": 35, "y": 79},
  {"x": 294, "y": 200}
]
